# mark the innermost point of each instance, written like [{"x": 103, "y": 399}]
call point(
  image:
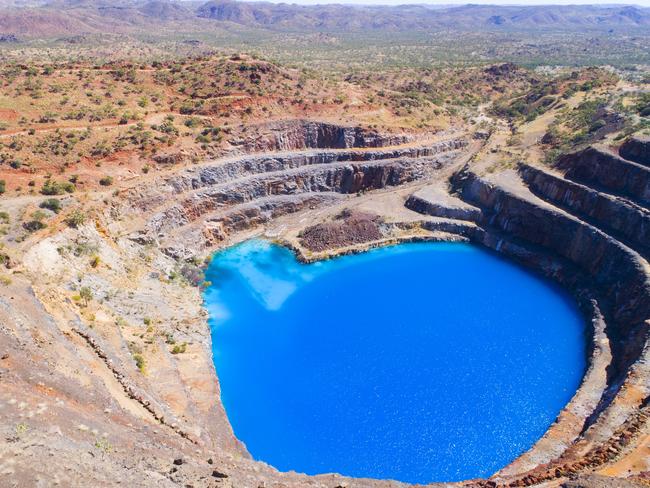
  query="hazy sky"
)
[{"x": 645, "y": 3}]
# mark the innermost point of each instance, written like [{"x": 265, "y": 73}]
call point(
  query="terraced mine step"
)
[
  {"x": 617, "y": 269},
  {"x": 216, "y": 198},
  {"x": 216, "y": 226},
  {"x": 340, "y": 177},
  {"x": 217, "y": 172},
  {"x": 608, "y": 172},
  {"x": 436, "y": 201},
  {"x": 299, "y": 134},
  {"x": 619, "y": 217},
  {"x": 636, "y": 149}
]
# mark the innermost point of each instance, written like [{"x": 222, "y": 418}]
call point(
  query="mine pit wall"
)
[
  {"x": 623, "y": 219},
  {"x": 609, "y": 171},
  {"x": 636, "y": 149},
  {"x": 222, "y": 172},
  {"x": 339, "y": 178},
  {"x": 617, "y": 270},
  {"x": 218, "y": 229},
  {"x": 427, "y": 207},
  {"x": 336, "y": 177},
  {"x": 304, "y": 134}
]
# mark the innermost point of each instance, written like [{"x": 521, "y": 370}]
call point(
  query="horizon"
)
[{"x": 444, "y": 3}]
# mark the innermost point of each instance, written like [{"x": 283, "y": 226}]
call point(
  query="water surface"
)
[{"x": 419, "y": 362}]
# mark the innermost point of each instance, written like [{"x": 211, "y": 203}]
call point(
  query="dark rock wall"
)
[
  {"x": 222, "y": 172},
  {"x": 621, "y": 218},
  {"x": 636, "y": 149},
  {"x": 303, "y": 134},
  {"x": 432, "y": 208},
  {"x": 341, "y": 177},
  {"x": 605, "y": 170}
]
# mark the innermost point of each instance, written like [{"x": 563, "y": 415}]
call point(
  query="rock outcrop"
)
[
  {"x": 636, "y": 149},
  {"x": 305, "y": 134},
  {"x": 216, "y": 198},
  {"x": 620, "y": 217},
  {"x": 609, "y": 172}
]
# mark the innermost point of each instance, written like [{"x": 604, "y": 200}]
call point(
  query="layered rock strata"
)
[
  {"x": 636, "y": 149},
  {"x": 216, "y": 199},
  {"x": 305, "y": 134}
]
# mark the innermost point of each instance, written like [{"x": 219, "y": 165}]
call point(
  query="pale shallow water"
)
[{"x": 419, "y": 362}]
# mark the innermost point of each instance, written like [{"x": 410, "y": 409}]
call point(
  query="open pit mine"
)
[{"x": 77, "y": 409}]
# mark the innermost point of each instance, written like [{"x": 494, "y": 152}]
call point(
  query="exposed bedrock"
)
[
  {"x": 305, "y": 134},
  {"x": 608, "y": 172},
  {"x": 225, "y": 170},
  {"x": 435, "y": 200},
  {"x": 247, "y": 216},
  {"x": 343, "y": 178},
  {"x": 619, "y": 217},
  {"x": 636, "y": 149},
  {"x": 207, "y": 192},
  {"x": 619, "y": 271}
]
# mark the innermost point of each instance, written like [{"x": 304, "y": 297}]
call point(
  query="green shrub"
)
[
  {"x": 34, "y": 225},
  {"x": 75, "y": 219},
  {"x": 51, "y": 187},
  {"x": 106, "y": 181},
  {"x": 86, "y": 294},
  {"x": 51, "y": 204},
  {"x": 139, "y": 362}
]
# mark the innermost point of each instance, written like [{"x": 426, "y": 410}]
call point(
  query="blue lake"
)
[{"x": 419, "y": 362}]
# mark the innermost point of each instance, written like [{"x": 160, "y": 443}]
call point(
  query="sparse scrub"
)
[
  {"x": 86, "y": 294},
  {"x": 75, "y": 219},
  {"x": 52, "y": 204},
  {"x": 51, "y": 187}
]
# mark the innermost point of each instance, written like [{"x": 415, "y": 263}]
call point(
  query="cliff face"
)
[
  {"x": 221, "y": 172},
  {"x": 304, "y": 134},
  {"x": 595, "y": 166},
  {"x": 214, "y": 199},
  {"x": 636, "y": 149},
  {"x": 618, "y": 216},
  {"x": 617, "y": 269}
]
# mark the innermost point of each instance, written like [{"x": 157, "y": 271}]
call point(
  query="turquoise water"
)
[{"x": 419, "y": 362}]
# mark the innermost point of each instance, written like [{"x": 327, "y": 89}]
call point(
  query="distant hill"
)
[
  {"x": 66, "y": 17},
  {"x": 337, "y": 17}
]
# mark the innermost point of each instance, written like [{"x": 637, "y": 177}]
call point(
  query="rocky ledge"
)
[{"x": 217, "y": 198}]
